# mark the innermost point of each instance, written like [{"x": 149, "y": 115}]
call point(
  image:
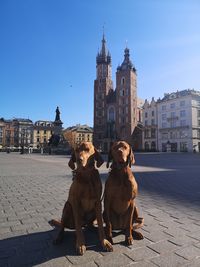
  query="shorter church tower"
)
[{"x": 126, "y": 99}]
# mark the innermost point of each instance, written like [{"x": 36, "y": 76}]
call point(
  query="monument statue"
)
[{"x": 57, "y": 114}]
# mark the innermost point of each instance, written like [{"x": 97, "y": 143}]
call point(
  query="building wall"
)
[{"x": 150, "y": 130}]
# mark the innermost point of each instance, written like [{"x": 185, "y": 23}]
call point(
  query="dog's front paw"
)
[
  {"x": 107, "y": 245},
  {"x": 81, "y": 249},
  {"x": 129, "y": 240}
]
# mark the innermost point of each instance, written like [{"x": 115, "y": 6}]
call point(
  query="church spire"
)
[{"x": 103, "y": 56}]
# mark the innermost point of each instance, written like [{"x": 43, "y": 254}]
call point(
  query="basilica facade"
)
[{"x": 115, "y": 109}]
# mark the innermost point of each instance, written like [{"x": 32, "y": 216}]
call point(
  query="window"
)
[
  {"x": 198, "y": 113},
  {"x": 183, "y": 123},
  {"x": 172, "y": 105},
  {"x": 164, "y": 117},
  {"x": 164, "y": 125},
  {"x": 182, "y": 103},
  {"x": 182, "y": 113},
  {"x": 152, "y": 113},
  {"x": 198, "y": 122},
  {"x": 153, "y": 146},
  {"x": 152, "y": 122},
  {"x": 111, "y": 114},
  {"x": 146, "y": 133},
  {"x": 164, "y": 136},
  {"x": 198, "y": 134},
  {"x": 122, "y": 81},
  {"x": 146, "y": 123},
  {"x": 153, "y": 133},
  {"x": 183, "y": 147},
  {"x": 173, "y": 124},
  {"x": 146, "y": 114},
  {"x": 146, "y": 146},
  {"x": 163, "y": 108},
  {"x": 173, "y": 114}
]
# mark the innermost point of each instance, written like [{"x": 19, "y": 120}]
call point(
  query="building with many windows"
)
[
  {"x": 42, "y": 131},
  {"x": 150, "y": 131},
  {"x": 77, "y": 134},
  {"x": 177, "y": 122}
]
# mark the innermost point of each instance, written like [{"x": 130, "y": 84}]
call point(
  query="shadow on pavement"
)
[{"x": 37, "y": 248}]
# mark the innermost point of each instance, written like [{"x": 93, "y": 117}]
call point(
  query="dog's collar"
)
[{"x": 119, "y": 166}]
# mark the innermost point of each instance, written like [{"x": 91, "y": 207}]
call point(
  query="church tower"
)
[
  {"x": 126, "y": 99},
  {"x": 102, "y": 86}
]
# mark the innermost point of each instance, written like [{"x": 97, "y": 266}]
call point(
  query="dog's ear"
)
[
  {"x": 98, "y": 158},
  {"x": 131, "y": 158},
  {"x": 110, "y": 158},
  {"x": 72, "y": 161}
]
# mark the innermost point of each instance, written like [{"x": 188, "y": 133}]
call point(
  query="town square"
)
[{"x": 99, "y": 133}]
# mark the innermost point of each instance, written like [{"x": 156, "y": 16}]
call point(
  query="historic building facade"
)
[
  {"x": 76, "y": 134},
  {"x": 150, "y": 124},
  {"x": 115, "y": 110},
  {"x": 179, "y": 121},
  {"x": 172, "y": 124},
  {"x": 42, "y": 131}
]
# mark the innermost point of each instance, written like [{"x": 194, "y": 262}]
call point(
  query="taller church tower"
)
[{"x": 102, "y": 85}]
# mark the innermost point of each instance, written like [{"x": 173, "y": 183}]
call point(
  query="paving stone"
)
[
  {"x": 113, "y": 259},
  {"x": 163, "y": 247},
  {"x": 143, "y": 264},
  {"x": 142, "y": 254},
  {"x": 183, "y": 240},
  {"x": 189, "y": 253},
  {"x": 193, "y": 263},
  {"x": 170, "y": 260},
  {"x": 156, "y": 236},
  {"x": 88, "y": 257}
]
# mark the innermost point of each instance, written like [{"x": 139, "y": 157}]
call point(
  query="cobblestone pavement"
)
[{"x": 33, "y": 190}]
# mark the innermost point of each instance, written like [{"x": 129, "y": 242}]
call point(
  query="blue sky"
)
[{"x": 48, "y": 52}]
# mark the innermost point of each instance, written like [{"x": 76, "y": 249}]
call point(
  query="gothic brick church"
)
[{"x": 115, "y": 110}]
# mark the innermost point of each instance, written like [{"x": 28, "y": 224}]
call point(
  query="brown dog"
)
[
  {"x": 84, "y": 205},
  {"x": 120, "y": 212}
]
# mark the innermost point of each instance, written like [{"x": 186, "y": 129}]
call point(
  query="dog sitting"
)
[
  {"x": 84, "y": 201},
  {"x": 121, "y": 189}
]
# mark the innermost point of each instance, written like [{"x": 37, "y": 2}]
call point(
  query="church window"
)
[
  {"x": 111, "y": 114},
  {"x": 122, "y": 81}
]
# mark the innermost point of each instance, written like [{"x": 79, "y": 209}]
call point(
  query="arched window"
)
[
  {"x": 146, "y": 146},
  {"x": 111, "y": 114},
  {"x": 122, "y": 81}
]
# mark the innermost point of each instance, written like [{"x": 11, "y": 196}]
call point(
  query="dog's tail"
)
[{"x": 55, "y": 223}]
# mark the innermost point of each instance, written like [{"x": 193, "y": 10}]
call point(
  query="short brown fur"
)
[
  {"x": 121, "y": 189},
  {"x": 83, "y": 205}
]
